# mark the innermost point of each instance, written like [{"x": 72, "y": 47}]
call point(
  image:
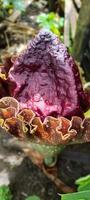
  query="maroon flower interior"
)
[{"x": 46, "y": 79}]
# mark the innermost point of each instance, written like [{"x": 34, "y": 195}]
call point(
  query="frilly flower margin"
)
[{"x": 25, "y": 125}]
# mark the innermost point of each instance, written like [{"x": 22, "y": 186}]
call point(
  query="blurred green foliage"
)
[
  {"x": 83, "y": 183},
  {"x": 16, "y": 4},
  {"x": 32, "y": 198},
  {"x": 52, "y": 22},
  {"x": 84, "y": 195},
  {"x": 5, "y": 193},
  {"x": 7, "y": 7}
]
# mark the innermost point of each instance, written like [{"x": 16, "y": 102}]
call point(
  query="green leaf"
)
[
  {"x": 5, "y": 193},
  {"x": 51, "y": 21},
  {"x": 32, "y": 198},
  {"x": 83, "y": 183},
  {"x": 83, "y": 180},
  {"x": 83, "y": 190},
  {"x": 84, "y": 195},
  {"x": 55, "y": 30},
  {"x": 41, "y": 18},
  {"x": 51, "y": 16}
]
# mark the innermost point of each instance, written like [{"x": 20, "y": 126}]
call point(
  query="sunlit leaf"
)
[
  {"x": 84, "y": 195},
  {"x": 83, "y": 183},
  {"x": 5, "y": 193},
  {"x": 51, "y": 21},
  {"x": 87, "y": 114},
  {"x": 32, "y": 198}
]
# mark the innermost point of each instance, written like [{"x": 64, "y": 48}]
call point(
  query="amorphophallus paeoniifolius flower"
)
[{"x": 42, "y": 94}]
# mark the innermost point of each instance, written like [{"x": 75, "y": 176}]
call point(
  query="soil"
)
[
  {"x": 30, "y": 180},
  {"x": 74, "y": 162}
]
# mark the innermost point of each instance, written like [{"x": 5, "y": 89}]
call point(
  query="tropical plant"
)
[{"x": 52, "y": 22}]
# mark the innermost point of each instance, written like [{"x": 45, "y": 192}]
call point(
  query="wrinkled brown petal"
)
[
  {"x": 76, "y": 123},
  {"x": 26, "y": 115},
  {"x": 53, "y": 130},
  {"x": 86, "y": 130},
  {"x": 6, "y": 102},
  {"x": 82, "y": 127},
  {"x": 40, "y": 131},
  {"x": 16, "y": 127},
  {"x": 7, "y": 113},
  {"x": 59, "y": 130}
]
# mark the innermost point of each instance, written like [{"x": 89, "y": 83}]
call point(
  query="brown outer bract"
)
[{"x": 25, "y": 124}]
